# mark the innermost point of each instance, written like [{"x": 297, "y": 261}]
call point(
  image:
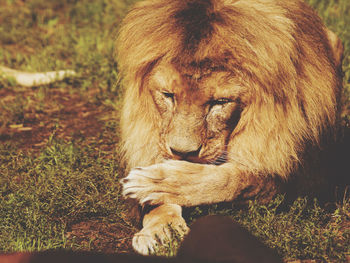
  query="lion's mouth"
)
[{"x": 195, "y": 159}]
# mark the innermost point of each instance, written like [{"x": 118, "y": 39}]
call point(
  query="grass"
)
[
  {"x": 42, "y": 195},
  {"x": 59, "y": 167},
  {"x": 305, "y": 231}
]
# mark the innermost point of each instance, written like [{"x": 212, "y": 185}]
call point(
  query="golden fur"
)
[{"x": 223, "y": 99}]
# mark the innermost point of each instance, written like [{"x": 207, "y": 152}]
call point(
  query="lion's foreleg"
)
[{"x": 185, "y": 183}]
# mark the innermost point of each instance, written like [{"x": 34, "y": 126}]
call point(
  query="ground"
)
[
  {"x": 70, "y": 117},
  {"x": 59, "y": 160}
]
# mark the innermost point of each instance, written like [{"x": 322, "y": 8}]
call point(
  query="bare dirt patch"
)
[
  {"x": 102, "y": 236},
  {"x": 70, "y": 116}
]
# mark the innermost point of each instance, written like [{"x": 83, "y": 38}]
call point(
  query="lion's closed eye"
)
[
  {"x": 168, "y": 95},
  {"x": 220, "y": 101}
]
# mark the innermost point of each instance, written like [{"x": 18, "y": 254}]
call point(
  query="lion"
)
[{"x": 224, "y": 101}]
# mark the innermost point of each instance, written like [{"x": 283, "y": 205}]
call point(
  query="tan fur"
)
[{"x": 223, "y": 98}]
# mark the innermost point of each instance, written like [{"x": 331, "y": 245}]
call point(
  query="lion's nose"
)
[{"x": 185, "y": 154}]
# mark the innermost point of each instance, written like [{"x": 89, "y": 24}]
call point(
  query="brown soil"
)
[
  {"x": 68, "y": 115},
  {"x": 102, "y": 236}
]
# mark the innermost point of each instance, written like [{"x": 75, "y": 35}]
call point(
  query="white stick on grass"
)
[{"x": 29, "y": 79}]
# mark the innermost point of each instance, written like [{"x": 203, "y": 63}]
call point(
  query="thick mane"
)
[
  {"x": 196, "y": 20},
  {"x": 275, "y": 48}
]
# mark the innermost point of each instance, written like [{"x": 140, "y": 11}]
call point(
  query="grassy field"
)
[{"x": 58, "y": 161}]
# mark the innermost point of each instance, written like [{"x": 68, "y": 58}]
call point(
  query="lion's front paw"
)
[
  {"x": 151, "y": 185},
  {"x": 161, "y": 225},
  {"x": 140, "y": 183},
  {"x": 149, "y": 239},
  {"x": 171, "y": 182},
  {"x": 144, "y": 241}
]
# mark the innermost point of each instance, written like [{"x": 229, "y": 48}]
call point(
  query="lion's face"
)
[{"x": 197, "y": 111}]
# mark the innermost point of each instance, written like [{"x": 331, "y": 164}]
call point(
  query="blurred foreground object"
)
[{"x": 211, "y": 239}]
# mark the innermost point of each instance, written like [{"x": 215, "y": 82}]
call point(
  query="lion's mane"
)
[{"x": 279, "y": 49}]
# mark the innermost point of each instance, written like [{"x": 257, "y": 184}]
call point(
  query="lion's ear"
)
[{"x": 337, "y": 47}]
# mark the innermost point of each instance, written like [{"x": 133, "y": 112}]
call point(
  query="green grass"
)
[
  {"x": 58, "y": 162},
  {"x": 305, "y": 231},
  {"x": 41, "y": 195}
]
